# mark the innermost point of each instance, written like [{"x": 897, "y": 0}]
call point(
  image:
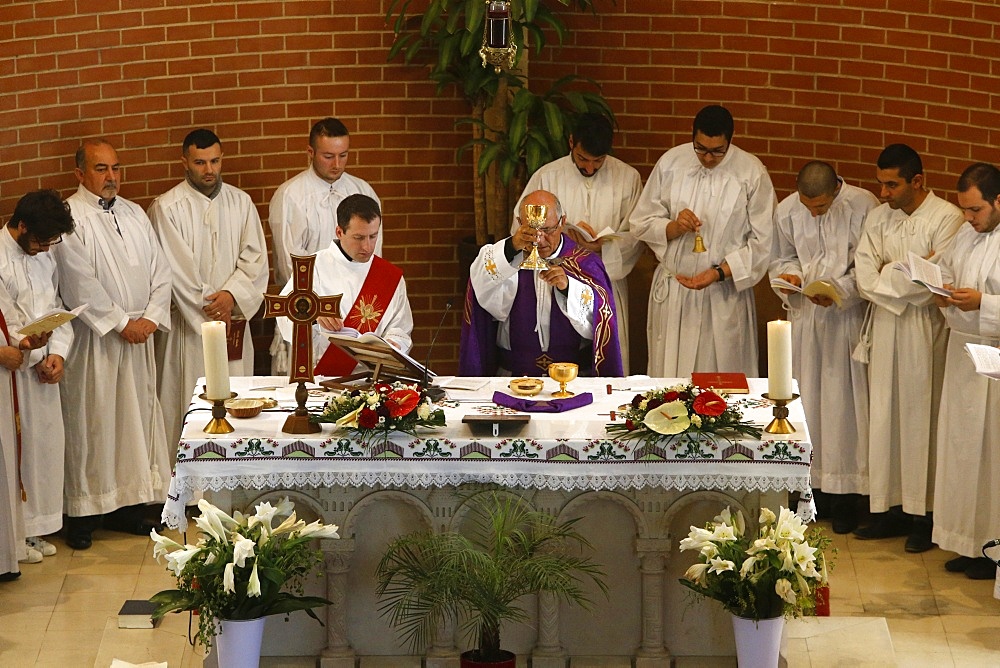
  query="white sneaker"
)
[
  {"x": 32, "y": 556},
  {"x": 45, "y": 547}
]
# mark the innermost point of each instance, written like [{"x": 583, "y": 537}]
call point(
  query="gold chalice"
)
[
  {"x": 562, "y": 373},
  {"x": 536, "y": 215}
]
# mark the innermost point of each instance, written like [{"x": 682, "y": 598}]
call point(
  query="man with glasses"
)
[
  {"x": 117, "y": 458},
  {"x": 598, "y": 192},
  {"x": 518, "y": 321},
  {"x": 713, "y": 194},
  {"x": 30, "y": 276}
]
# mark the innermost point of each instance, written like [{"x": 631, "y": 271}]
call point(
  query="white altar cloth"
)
[{"x": 556, "y": 451}]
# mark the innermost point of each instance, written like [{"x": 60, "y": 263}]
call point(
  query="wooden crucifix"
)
[{"x": 302, "y": 306}]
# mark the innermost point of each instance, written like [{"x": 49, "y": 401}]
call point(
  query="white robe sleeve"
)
[
  {"x": 494, "y": 279},
  {"x": 578, "y": 306},
  {"x": 249, "y": 279},
  {"x": 78, "y": 285},
  {"x": 287, "y": 221},
  {"x": 748, "y": 264}
]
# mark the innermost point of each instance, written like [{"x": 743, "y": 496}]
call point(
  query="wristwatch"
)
[{"x": 722, "y": 274}]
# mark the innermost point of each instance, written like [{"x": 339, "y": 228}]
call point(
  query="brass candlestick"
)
[
  {"x": 780, "y": 423},
  {"x": 218, "y": 424}
]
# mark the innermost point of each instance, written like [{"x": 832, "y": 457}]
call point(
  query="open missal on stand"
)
[
  {"x": 379, "y": 360},
  {"x": 818, "y": 288},
  {"x": 49, "y": 321},
  {"x": 924, "y": 272},
  {"x": 986, "y": 359}
]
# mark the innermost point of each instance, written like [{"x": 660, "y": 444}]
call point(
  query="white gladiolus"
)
[{"x": 229, "y": 579}]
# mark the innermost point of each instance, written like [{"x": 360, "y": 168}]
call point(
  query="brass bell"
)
[{"x": 699, "y": 244}]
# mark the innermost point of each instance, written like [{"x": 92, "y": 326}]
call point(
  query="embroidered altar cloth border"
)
[{"x": 557, "y": 451}]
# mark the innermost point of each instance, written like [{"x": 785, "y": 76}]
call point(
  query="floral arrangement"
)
[
  {"x": 680, "y": 409},
  {"x": 241, "y": 566},
  {"x": 374, "y": 414},
  {"x": 770, "y": 572}
]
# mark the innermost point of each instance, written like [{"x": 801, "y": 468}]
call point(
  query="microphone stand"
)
[{"x": 434, "y": 393}]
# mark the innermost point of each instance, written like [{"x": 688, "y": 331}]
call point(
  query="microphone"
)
[{"x": 434, "y": 393}]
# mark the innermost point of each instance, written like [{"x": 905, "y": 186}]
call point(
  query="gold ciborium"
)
[
  {"x": 536, "y": 215},
  {"x": 563, "y": 373}
]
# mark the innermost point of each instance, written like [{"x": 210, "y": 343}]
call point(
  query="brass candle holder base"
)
[
  {"x": 780, "y": 423},
  {"x": 219, "y": 424}
]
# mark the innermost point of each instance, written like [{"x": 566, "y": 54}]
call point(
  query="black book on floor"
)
[{"x": 137, "y": 614}]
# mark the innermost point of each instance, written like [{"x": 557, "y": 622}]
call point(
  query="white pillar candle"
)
[
  {"x": 779, "y": 359},
  {"x": 213, "y": 345}
]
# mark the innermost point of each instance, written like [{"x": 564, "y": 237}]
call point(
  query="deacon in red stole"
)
[
  {"x": 519, "y": 321},
  {"x": 373, "y": 289}
]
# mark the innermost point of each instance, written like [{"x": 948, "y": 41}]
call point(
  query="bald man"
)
[{"x": 816, "y": 230}]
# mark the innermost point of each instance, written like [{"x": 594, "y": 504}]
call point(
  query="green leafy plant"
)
[
  {"x": 426, "y": 578},
  {"x": 514, "y": 130},
  {"x": 767, "y": 572},
  {"x": 242, "y": 567}
]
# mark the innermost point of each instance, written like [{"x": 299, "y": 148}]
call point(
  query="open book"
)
[
  {"x": 587, "y": 236},
  {"x": 818, "y": 288},
  {"x": 924, "y": 272},
  {"x": 49, "y": 321},
  {"x": 986, "y": 359},
  {"x": 377, "y": 346}
]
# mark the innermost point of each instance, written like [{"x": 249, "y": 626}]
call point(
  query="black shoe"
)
[
  {"x": 131, "y": 519},
  {"x": 824, "y": 504},
  {"x": 958, "y": 564},
  {"x": 79, "y": 531},
  {"x": 10, "y": 577},
  {"x": 919, "y": 539},
  {"x": 981, "y": 568},
  {"x": 885, "y": 525},
  {"x": 845, "y": 513}
]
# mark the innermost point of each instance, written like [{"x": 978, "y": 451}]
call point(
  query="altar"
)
[{"x": 634, "y": 504}]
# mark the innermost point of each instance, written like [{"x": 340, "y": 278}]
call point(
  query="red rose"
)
[
  {"x": 671, "y": 396},
  {"x": 629, "y": 425},
  {"x": 654, "y": 403},
  {"x": 367, "y": 418},
  {"x": 710, "y": 404},
  {"x": 636, "y": 400},
  {"x": 402, "y": 402}
]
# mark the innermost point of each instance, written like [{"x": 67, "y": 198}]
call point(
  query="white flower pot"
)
[
  {"x": 758, "y": 643},
  {"x": 238, "y": 642}
]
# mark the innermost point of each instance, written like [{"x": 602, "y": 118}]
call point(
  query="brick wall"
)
[{"x": 835, "y": 80}]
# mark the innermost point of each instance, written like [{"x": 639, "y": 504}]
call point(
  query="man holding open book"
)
[
  {"x": 968, "y": 515},
  {"x": 908, "y": 340},
  {"x": 816, "y": 232}
]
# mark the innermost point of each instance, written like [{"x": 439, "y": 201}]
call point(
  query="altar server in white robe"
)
[
  {"x": 29, "y": 273},
  {"x": 908, "y": 340},
  {"x": 702, "y": 315},
  {"x": 816, "y": 231},
  {"x": 597, "y": 191},
  {"x": 213, "y": 241},
  {"x": 13, "y": 350},
  {"x": 374, "y": 291},
  {"x": 117, "y": 456},
  {"x": 302, "y": 213},
  {"x": 967, "y": 511}
]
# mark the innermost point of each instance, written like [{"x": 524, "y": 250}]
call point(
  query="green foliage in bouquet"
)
[{"x": 372, "y": 415}]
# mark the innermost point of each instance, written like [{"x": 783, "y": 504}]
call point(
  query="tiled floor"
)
[{"x": 62, "y": 612}]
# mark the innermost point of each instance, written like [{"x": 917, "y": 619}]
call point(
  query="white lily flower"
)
[
  {"x": 783, "y": 588},
  {"x": 289, "y": 525},
  {"x": 162, "y": 545},
  {"x": 229, "y": 579},
  {"x": 424, "y": 411},
  {"x": 804, "y": 556},
  {"x": 177, "y": 560},
  {"x": 210, "y": 559},
  {"x": 319, "y": 530},
  {"x": 721, "y": 566},
  {"x": 747, "y": 566},
  {"x": 264, "y": 515},
  {"x": 213, "y": 521},
  {"x": 696, "y": 573},
  {"x": 766, "y": 516},
  {"x": 242, "y": 548},
  {"x": 284, "y": 507},
  {"x": 789, "y": 526},
  {"x": 696, "y": 540},
  {"x": 724, "y": 533},
  {"x": 253, "y": 587}
]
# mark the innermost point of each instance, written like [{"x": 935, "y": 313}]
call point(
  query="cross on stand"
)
[{"x": 302, "y": 306}]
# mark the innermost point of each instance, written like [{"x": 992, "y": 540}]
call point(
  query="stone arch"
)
[
  {"x": 685, "y": 500},
  {"x": 641, "y": 523},
  {"x": 301, "y": 499},
  {"x": 377, "y": 496}
]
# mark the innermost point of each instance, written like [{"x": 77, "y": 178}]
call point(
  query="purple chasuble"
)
[{"x": 479, "y": 354}]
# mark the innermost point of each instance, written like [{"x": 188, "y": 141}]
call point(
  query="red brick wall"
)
[{"x": 835, "y": 80}]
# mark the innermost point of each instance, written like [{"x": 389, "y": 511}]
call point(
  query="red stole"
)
[
  {"x": 365, "y": 315},
  {"x": 17, "y": 414}
]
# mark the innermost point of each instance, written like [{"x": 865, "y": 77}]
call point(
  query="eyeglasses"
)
[
  {"x": 50, "y": 242},
  {"x": 714, "y": 152},
  {"x": 549, "y": 230}
]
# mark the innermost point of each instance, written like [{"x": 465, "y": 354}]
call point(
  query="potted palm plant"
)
[{"x": 479, "y": 579}]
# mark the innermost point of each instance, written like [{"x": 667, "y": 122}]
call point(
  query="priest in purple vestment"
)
[{"x": 520, "y": 321}]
